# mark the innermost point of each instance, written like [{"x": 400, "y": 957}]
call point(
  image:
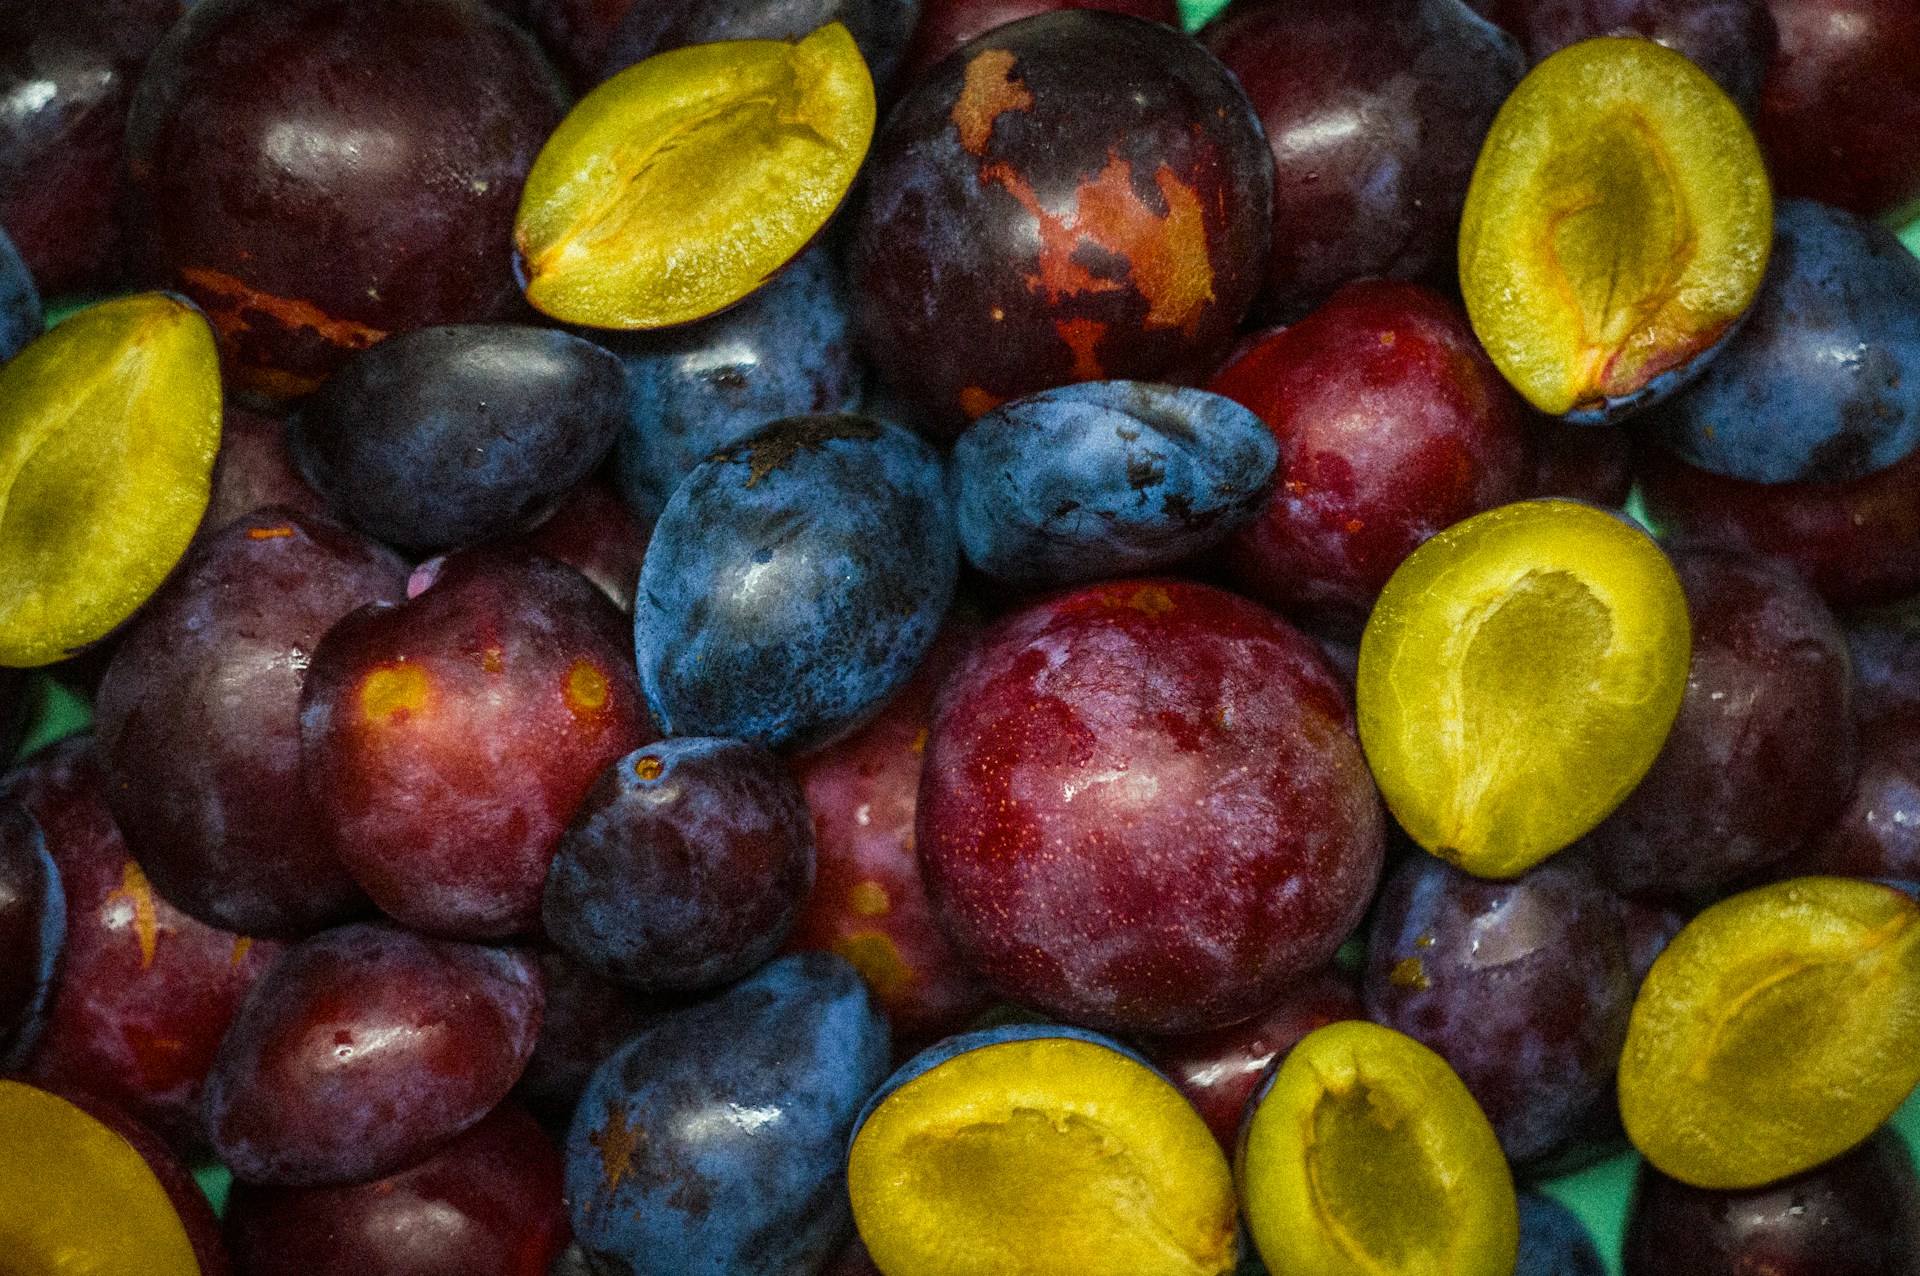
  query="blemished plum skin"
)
[
  {"x": 487, "y": 1204},
  {"x": 1524, "y": 987},
  {"x": 448, "y": 740},
  {"x": 1731, "y": 40},
  {"x": 1763, "y": 752},
  {"x": 1858, "y": 1215},
  {"x": 1392, "y": 423},
  {"x": 199, "y": 722},
  {"x": 366, "y": 1048},
  {"x": 945, "y": 25},
  {"x": 1077, "y": 196},
  {"x": 33, "y": 928},
  {"x": 1375, "y": 113},
  {"x": 145, "y": 992},
  {"x": 1144, "y": 808},
  {"x": 302, "y": 252}
]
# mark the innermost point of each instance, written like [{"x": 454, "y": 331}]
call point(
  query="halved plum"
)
[
  {"x": 683, "y": 183},
  {"x": 1616, "y": 230},
  {"x": 108, "y": 429},
  {"x": 1517, "y": 678}
]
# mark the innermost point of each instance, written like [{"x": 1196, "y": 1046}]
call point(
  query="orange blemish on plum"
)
[
  {"x": 869, "y": 899},
  {"x": 1083, "y": 338},
  {"x": 393, "y": 692},
  {"x": 918, "y": 744},
  {"x": 491, "y": 661},
  {"x": 976, "y": 402},
  {"x": 587, "y": 689},
  {"x": 230, "y": 304},
  {"x": 989, "y": 92},
  {"x": 616, "y": 1145},
  {"x": 648, "y": 767},
  {"x": 269, "y": 533},
  {"x": 1354, "y": 525},
  {"x": 137, "y": 892},
  {"x": 877, "y": 959},
  {"x": 240, "y": 947},
  {"x": 1150, "y": 601},
  {"x": 1410, "y": 972},
  {"x": 1166, "y": 254}
]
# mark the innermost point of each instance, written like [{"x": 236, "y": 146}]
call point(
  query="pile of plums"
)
[{"x": 958, "y": 637}]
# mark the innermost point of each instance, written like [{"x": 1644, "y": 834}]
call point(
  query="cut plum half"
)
[
  {"x": 1365, "y": 1155},
  {"x": 1616, "y": 229},
  {"x": 108, "y": 429},
  {"x": 688, "y": 180},
  {"x": 1777, "y": 1031},
  {"x": 1039, "y": 1151},
  {"x": 1517, "y": 679}
]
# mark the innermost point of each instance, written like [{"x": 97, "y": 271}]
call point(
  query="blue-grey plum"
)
[
  {"x": 784, "y": 351},
  {"x": 684, "y": 868},
  {"x": 1553, "y": 1241},
  {"x": 1106, "y": 478},
  {"x": 714, "y": 1143},
  {"x": 20, "y": 317},
  {"x": 794, "y": 582},
  {"x": 33, "y": 929},
  {"x": 448, "y": 436},
  {"x": 1822, "y": 383}
]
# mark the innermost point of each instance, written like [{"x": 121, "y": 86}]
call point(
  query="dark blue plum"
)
[
  {"x": 445, "y": 437},
  {"x": 794, "y": 582},
  {"x": 684, "y": 868},
  {"x": 1524, "y": 987},
  {"x": 33, "y": 930},
  {"x": 979, "y": 1039},
  {"x": 1822, "y": 383},
  {"x": 714, "y": 1144},
  {"x": 20, "y": 317},
  {"x": 782, "y": 352},
  {"x": 1553, "y": 1241},
  {"x": 1106, "y": 478}
]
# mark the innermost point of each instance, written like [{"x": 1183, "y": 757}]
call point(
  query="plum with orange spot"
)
[
  {"x": 684, "y": 867},
  {"x": 448, "y": 740},
  {"x": 145, "y": 992},
  {"x": 253, "y": 469},
  {"x": 1077, "y": 196}
]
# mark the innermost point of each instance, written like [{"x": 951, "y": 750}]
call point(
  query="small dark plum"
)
[
  {"x": 945, "y": 25},
  {"x": 1553, "y": 1240},
  {"x": 255, "y": 468},
  {"x": 595, "y": 533},
  {"x": 1375, "y": 112},
  {"x": 1886, "y": 674},
  {"x": 145, "y": 992},
  {"x": 1858, "y": 1215},
  {"x": 1822, "y": 382},
  {"x": 487, "y": 1204},
  {"x": 1763, "y": 752},
  {"x": 1731, "y": 40},
  {"x": 587, "y": 1018},
  {"x": 1523, "y": 987},
  {"x": 1392, "y": 424},
  {"x": 21, "y": 319},
  {"x": 448, "y": 740},
  {"x": 1592, "y": 463},
  {"x": 784, "y": 351},
  {"x": 1877, "y": 834},
  {"x": 1077, "y": 196},
  {"x": 717, "y": 1140},
  {"x": 33, "y": 929},
  {"x": 1106, "y": 478},
  {"x": 449, "y": 436},
  {"x": 199, "y": 722},
  {"x": 318, "y": 175},
  {"x": 684, "y": 867},
  {"x": 880, "y": 27},
  {"x": 367, "y": 1048},
  {"x": 1841, "y": 104},
  {"x": 794, "y": 582},
  {"x": 1144, "y": 808}
]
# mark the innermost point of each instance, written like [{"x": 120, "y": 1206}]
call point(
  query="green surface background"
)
[{"x": 1598, "y": 1195}]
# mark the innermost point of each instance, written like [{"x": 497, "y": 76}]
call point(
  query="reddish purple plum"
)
[{"x": 945, "y": 25}]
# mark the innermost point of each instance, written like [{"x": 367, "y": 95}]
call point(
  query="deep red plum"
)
[
  {"x": 596, "y": 534},
  {"x": 255, "y": 468}
]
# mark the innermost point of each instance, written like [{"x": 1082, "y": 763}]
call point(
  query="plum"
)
[
  {"x": 254, "y": 468},
  {"x": 596, "y": 534},
  {"x": 880, "y": 27},
  {"x": 21, "y": 319},
  {"x": 1553, "y": 1241},
  {"x": 587, "y": 1018},
  {"x": 33, "y": 929},
  {"x": 1731, "y": 40},
  {"x": 945, "y": 25}
]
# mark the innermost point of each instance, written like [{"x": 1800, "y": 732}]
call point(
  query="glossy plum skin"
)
[
  {"x": 21, "y": 319},
  {"x": 1144, "y": 809},
  {"x": 587, "y": 1018},
  {"x": 869, "y": 901},
  {"x": 1841, "y": 105},
  {"x": 1218, "y": 1071},
  {"x": 448, "y": 740},
  {"x": 684, "y": 867},
  {"x": 945, "y": 25},
  {"x": 61, "y": 152},
  {"x": 366, "y": 1048},
  {"x": 1441, "y": 437},
  {"x": 1822, "y": 382},
  {"x": 1422, "y": 80},
  {"x": 1553, "y": 1241},
  {"x": 255, "y": 468},
  {"x": 879, "y": 27},
  {"x": 487, "y": 1204},
  {"x": 1856, "y": 542},
  {"x": 300, "y": 257},
  {"x": 652, "y": 1188},
  {"x": 1077, "y": 196},
  {"x": 794, "y": 582},
  {"x": 1731, "y": 40},
  {"x": 1877, "y": 833},
  {"x": 786, "y": 350},
  {"x": 145, "y": 992},
  {"x": 199, "y": 722},
  {"x": 448, "y": 436},
  {"x": 33, "y": 929},
  {"x": 1858, "y": 1215},
  {"x": 1523, "y": 987},
  {"x": 1763, "y": 751},
  {"x": 595, "y": 533}
]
